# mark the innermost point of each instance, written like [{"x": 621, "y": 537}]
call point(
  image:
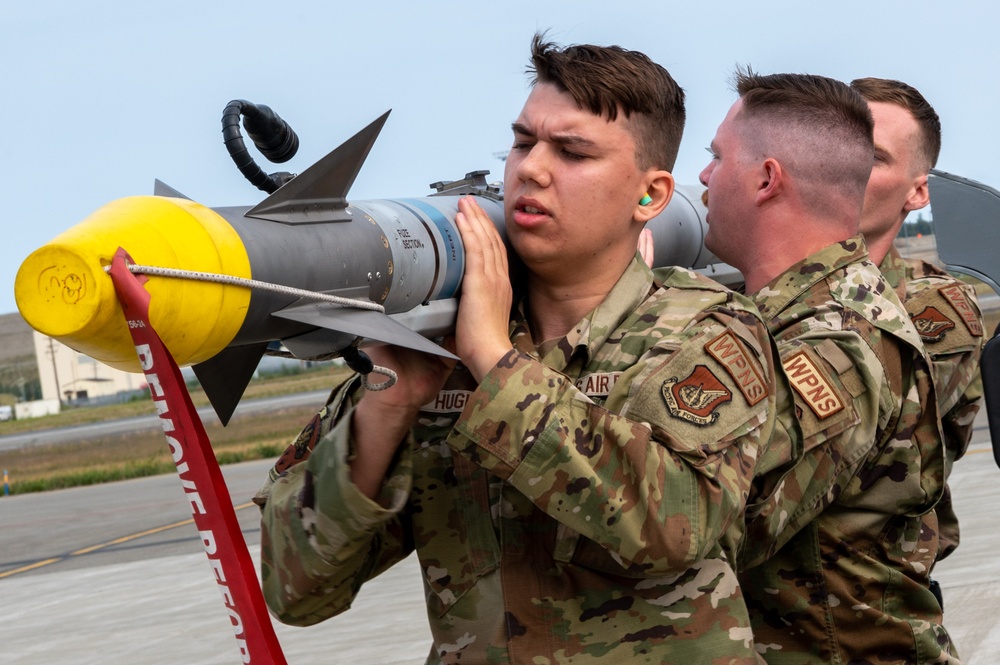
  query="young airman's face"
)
[{"x": 571, "y": 186}]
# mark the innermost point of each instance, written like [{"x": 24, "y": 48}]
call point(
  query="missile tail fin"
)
[
  {"x": 161, "y": 188},
  {"x": 319, "y": 194},
  {"x": 361, "y": 323},
  {"x": 226, "y": 375}
]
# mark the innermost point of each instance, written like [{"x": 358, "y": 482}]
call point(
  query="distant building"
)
[{"x": 70, "y": 376}]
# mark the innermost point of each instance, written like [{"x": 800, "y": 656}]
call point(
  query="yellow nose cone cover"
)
[{"x": 63, "y": 292}]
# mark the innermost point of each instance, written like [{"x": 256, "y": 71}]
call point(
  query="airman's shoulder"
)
[{"x": 679, "y": 285}]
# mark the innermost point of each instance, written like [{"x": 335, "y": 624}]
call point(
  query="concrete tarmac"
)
[
  {"x": 146, "y": 594},
  {"x": 159, "y": 604}
]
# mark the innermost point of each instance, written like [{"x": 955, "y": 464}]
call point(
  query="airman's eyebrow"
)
[
  {"x": 521, "y": 129},
  {"x": 562, "y": 139}
]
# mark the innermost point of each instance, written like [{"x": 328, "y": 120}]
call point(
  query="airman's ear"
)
[
  {"x": 659, "y": 190},
  {"x": 919, "y": 195},
  {"x": 770, "y": 182}
]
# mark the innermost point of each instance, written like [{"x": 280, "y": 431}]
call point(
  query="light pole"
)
[{"x": 55, "y": 372}]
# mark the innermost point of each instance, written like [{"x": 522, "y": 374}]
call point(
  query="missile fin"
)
[
  {"x": 319, "y": 194},
  {"x": 226, "y": 375},
  {"x": 161, "y": 188},
  {"x": 318, "y": 343},
  {"x": 361, "y": 323},
  {"x": 433, "y": 319}
]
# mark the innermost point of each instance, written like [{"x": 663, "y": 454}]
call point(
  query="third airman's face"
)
[{"x": 897, "y": 173}]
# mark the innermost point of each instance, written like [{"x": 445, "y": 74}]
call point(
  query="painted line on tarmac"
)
[
  {"x": 125, "y": 539},
  {"x": 116, "y": 541},
  {"x": 37, "y": 564}
]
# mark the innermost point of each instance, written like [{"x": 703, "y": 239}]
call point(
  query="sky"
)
[{"x": 98, "y": 99}]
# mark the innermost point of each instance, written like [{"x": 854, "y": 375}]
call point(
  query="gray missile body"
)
[{"x": 403, "y": 256}]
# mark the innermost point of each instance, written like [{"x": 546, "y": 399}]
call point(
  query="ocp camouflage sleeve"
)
[
  {"x": 946, "y": 314},
  {"x": 302, "y": 446},
  {"x": 659, "y": 490},
  {"x": 840, "y": 397},
  {"x": 841, "y": 539},
  {"x": 321, "y": 538}
]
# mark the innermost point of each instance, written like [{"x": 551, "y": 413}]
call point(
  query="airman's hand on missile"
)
[
  {"x": 382, "y": 419},
  {"x": 481, "y": 330}
]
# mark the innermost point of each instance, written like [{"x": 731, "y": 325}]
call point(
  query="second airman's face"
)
[{"x": 730, "y": 190}]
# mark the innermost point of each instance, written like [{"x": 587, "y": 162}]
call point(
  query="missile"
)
[{"x": 304, "y": 269}]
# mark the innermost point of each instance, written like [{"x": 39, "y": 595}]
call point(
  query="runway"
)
[
  {"x": 115, "y": 574},
  {"x": 152, "y": 421}
]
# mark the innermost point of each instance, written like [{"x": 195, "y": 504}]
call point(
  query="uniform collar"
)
[
  {"x": 801, "y": 277},
  {"x": 894, "y": 269},
  {"x": 587, "y": 336}
]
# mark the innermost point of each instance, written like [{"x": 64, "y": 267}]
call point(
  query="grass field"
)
[{"x": 43, "y": 467}]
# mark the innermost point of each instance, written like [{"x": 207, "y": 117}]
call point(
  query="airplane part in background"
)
[{"x": 970, "y": 211}]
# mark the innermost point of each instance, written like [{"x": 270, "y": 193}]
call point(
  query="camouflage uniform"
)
[
  {"x": 947, "y": 317},
  {"x": 569, "y": 509},
  {"x": 840, "y": 534}
]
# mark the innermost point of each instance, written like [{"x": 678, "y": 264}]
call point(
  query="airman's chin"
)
[
  {"x": 530, "y": 249},
  {"x": 710, "y": 244},
  {"x": 719, "y": 250}
]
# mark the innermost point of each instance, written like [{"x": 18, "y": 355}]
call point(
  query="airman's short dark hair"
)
[
  {"x": 608, "y": 80},
  {"x": 820, "y": 125},
  {"x": 908, "y": 97}
]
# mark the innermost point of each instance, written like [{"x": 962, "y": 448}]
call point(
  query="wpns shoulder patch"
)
[
  {"x": 957, "y": 299},
  {"x": 731, "y": 354},
  {"x": 696, "y": 397},
  {"x": 931, "y": 324},
  {"x": 812, "y": 385}
]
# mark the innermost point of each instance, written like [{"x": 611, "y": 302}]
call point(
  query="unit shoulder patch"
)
[
  {"x": 957, "y": 299},
  {"x": 696, "y": 397},
  {"x": 812, "y": 384},
  {"x": 731, "y": 354},
  {"x": 932, "y": 324}
]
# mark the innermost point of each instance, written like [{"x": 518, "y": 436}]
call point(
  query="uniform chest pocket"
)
[
  {"x": 824, "y": 384},
  {"x": 572, "y": 548},
  {"x": 453, "y": 530}
]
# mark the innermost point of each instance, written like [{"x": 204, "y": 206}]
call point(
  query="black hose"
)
[
  {"x": 357, "y": 360},
  {"x": 270, "y": 134}
]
